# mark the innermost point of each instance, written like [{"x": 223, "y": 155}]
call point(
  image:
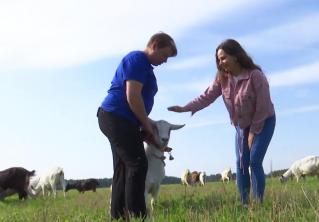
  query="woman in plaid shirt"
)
[{"x": 245, "y": 91}]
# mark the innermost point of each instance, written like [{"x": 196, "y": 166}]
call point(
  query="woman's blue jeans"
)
[{"x": 252, "y": 158}]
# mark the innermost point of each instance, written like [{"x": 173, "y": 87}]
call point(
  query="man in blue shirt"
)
[{"x": 122, "y": 115}]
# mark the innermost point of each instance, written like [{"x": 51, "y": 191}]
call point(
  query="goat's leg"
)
[
  {"x": 154, "y": 196},
  {"x": 43, "y": 190},
  {"x": 53, "y": 190},
  {"x": 63, "y": 184},
  {"x": 145, "y": 196},
  {"x": 23, "y": 194}
]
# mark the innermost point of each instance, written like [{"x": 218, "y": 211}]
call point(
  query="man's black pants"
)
[{"x": 129, "y": 165}]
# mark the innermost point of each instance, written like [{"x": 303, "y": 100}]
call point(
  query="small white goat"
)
[
  {"x": 306, "y": 166},
  {"x": 186, "y": 177},
  {"x": 156, "y": 172},
  {"x": 48, "y": 181},
  {"x": 226, "y": 175}
]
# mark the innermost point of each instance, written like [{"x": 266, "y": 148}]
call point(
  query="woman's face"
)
[{"x": 227, "y": 62}]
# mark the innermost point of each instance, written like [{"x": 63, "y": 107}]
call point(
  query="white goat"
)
[
  {"x": 186, "y": 177},
  {"x": 306, "y": 166},
  {"x": 202, "y": 178},
  {"x": 48, "y": 181},
  {"x": 226, "y": 175},
  {"x": 155, "y": 157}
]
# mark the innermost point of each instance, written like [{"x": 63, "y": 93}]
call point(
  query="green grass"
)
[{"x": 213, "y": 202}]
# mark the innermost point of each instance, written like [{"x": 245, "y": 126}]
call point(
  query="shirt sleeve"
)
[
  {"x": 208, "y": 97},
  {"x": 134, "y": 68},
  {"x": 263, "y": 101}
]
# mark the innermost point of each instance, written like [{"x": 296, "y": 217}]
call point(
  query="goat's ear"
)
[{"x": 176, "y": 127}]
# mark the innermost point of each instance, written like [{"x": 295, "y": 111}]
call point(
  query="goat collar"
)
[
  {"x": 161, "y": 158},
  {"x": 167, "y": 149}
]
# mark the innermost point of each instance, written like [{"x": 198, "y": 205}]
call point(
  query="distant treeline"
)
[{"x": 106, "y": 182}]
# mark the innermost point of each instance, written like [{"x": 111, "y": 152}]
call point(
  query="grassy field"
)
[{"x": 214, "y": 202}]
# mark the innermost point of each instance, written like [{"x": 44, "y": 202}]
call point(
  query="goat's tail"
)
[{"x": 31, "y": 173}]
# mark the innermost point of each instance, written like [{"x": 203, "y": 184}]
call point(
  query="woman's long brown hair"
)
[{"x": 233, "y": 48}]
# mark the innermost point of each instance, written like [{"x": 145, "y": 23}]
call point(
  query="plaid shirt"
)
[{"x": 248, "y": 102}]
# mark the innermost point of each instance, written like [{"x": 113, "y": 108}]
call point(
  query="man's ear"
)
[{"x": 153, "y": 46}]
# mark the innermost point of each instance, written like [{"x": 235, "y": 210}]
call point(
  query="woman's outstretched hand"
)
[{"x": 177, "y": 109}]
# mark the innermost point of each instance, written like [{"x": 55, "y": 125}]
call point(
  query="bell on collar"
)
[{"x": 171, "y": 157}]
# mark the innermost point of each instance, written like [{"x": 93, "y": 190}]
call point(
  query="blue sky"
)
[{"x": 57, "y": 60}]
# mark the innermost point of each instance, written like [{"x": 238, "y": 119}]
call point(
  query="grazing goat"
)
[
  {"x": 226, "y": 175},
  {"x": 83, "y": 185},
  {"x": 15, "y": 180},
  {"x": 186, "y": 177},
  {"x": 195, "y": 178},
  {"x": 155, "y": 156},
  {"x": 300, "y": 168},
  {"x": 48, "y": 181}
]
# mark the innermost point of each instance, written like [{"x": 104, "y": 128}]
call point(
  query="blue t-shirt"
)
[{"x": 134, "y": 66}]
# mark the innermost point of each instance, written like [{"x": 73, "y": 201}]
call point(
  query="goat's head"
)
[
  {"x": 162, "y": 130},
  {"x": 283, "y": 179}
]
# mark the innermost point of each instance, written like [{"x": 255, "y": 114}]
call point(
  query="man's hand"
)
[{"x": 149, "y": 138}]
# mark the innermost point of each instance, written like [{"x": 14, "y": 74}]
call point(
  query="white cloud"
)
[
  {"x": 193, "y": 62},
  {"x": 208, "y": 123},
  {"x": 304, "y": 109},
  {"x": 225, "y": 121},
  {"x": 39, "y": 33},
  {"x": 307, "y": 74},
  {"x": 298, "y": 33},
  {"x": 296, "y": 76},
  {"x": 190, "y": 86}
]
